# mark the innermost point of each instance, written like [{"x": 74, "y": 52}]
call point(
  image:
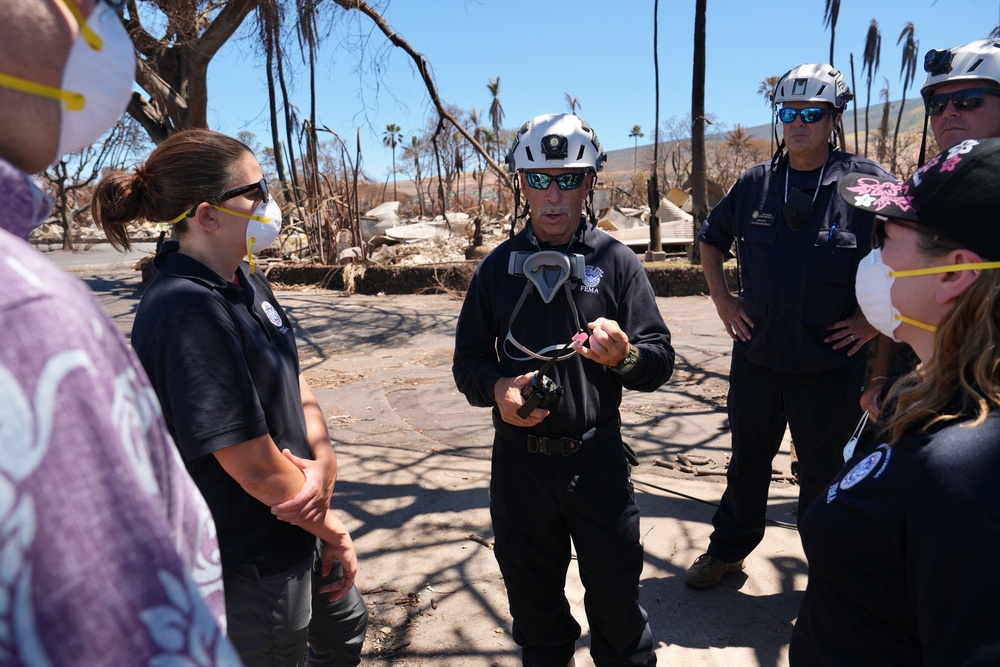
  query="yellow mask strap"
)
[
  {"x": 917, "y": 323},
  {"x": 180, "y": 217},
  {"x": 947, "y": 268},
  {"x": 250, "y": 258},
  {"x": 73, "y": 101},
  {"x": 258, "y": 218},
  {"x": 88, "y": 35}
]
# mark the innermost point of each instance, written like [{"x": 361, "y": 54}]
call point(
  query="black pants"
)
[
  {"x": 820, "y": 409},
  {"x": 538, "y": 503}
]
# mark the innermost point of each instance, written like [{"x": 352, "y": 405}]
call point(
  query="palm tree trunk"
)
[
  {"x": 854, "y": 100},
  {"x": 699, "y": 187},
  {"x": 895, "y": 135},
  {"x": 868, "y": 103}
]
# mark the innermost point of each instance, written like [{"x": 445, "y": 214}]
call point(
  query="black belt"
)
[{"x": 548, "y": 445}]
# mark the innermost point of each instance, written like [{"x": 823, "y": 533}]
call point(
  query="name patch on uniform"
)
[
  {"x": 272, "y": 314},
  {"x": 762, "y": 219},
  {"x": 591, "y": 279}
]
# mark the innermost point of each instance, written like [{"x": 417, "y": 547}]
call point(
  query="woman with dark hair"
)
[
  {"x": 221, "y": 355},
  {"x": 899, "y": 546}
]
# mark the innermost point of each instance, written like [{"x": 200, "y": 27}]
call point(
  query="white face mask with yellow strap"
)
[
  {"x": 873, "y": 287},
  {"x": 96, "y": 82},
  {"x": 263, "y": 228}
]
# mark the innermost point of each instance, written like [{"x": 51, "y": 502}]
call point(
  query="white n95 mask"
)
[
  {"x": 263, "y": 228},
  {"x": 96, "y": 82}
]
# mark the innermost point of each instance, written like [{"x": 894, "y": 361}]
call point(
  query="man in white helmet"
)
[
  {"x": 961, "y": 101},
  {"x": 798, "y": 335},
  {"x": 557, "y": 321}
]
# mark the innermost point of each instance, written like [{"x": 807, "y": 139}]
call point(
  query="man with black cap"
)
[{"x": 798, "y": 336}]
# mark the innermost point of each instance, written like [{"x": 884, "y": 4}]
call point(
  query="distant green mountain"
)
[{"x": 913, "y": 120}]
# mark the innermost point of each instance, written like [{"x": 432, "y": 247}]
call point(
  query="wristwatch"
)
[{"x": 629, "y": 362}]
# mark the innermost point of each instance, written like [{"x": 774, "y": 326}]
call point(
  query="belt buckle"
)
[{"x": 539, "y": 444}]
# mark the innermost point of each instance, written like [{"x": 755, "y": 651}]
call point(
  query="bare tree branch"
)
[{"x": 425, "y": 74}]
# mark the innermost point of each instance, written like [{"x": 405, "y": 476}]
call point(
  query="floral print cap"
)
[{"x": 957, "y": 193}]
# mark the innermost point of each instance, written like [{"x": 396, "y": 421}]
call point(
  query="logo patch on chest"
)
[
  {"x": 272, "y": 313},
  {"x": 591, "y": 279}
]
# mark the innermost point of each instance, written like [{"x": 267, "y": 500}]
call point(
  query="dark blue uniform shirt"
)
[
  {"x": 795, "y": 283},
  {"x": 900, "y": 549}
]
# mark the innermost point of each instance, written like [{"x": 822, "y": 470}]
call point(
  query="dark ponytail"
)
[{"x": 187, "y": 168}]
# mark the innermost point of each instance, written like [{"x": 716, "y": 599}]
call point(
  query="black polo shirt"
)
[{"x": 222, "y": 359}]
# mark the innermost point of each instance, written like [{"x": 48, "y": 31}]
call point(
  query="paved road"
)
[{"x": 415, "y": 471}]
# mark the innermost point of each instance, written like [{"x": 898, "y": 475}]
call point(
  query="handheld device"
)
[{"x": 542, "y": 391}]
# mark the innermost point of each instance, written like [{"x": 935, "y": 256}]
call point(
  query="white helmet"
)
[
  {"x": 555, "y": 141},
  {"x": 975, "y": 60},
  {"x": 813, "y": 83}
]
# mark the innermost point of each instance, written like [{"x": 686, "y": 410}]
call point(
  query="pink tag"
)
[{"x": 580, "y": 338}]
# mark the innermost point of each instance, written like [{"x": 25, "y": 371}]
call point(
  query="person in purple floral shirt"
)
[{"x": 109, "y": 551}]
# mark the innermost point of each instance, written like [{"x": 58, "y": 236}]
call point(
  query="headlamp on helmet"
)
[
  {"x": 979, "y": 60},
  {"x": 555, "y": 141}
]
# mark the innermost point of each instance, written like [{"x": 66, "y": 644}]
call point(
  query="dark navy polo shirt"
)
[
  {"x": 796, "y": 283},
  {"x": 223, "y": 361}
]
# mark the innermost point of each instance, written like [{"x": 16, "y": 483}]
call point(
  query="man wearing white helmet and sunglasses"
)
[
  {"x": 557, "y": 321},
  {"x": 961, "y": 101},
  {"x": 798, "y": 335}
]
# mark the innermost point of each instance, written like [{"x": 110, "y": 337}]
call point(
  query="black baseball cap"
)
[{"x": 957, "y": 193}]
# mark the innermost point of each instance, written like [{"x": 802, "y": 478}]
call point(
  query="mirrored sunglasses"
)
[
  {"x": 809, "y": 115},
  {"x": 242, "y": 190},
  {"x": 963, "y": 100},
  {"x": 540, "y": 181}
]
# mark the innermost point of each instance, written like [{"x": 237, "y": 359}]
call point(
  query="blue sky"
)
[{"x": 598, "y": 51}]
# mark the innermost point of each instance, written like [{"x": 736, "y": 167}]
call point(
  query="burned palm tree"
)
[
  {"x": 870, "y": 61},
  {"x": 830, "y": 15},
  {"x": 573, "y": 103},
  {"x": 699, "y": 186},
  {"x": 907, "y": 71}
]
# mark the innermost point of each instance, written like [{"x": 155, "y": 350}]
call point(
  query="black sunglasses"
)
[
  {"x": 540, "y": 181},
  {"x": 242, "y": 190},
  {"x": 963, "y": 100},
  {"x": 809, "y": 115},
  {"x": 878, "y": 229}
]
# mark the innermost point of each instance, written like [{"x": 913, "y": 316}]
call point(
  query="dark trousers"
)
[
  {"x": 271, "y": 618},
  {"x": 821, "y": 410},
  {"x": 538, "y": 503}
]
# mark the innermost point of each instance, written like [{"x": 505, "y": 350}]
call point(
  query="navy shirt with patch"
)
[
  {"x": 796, "y": 283},
  {"x": 614, "y": 286},
  {"x": 900, "y": 556},
  {"x": 222, "y": 358}
]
